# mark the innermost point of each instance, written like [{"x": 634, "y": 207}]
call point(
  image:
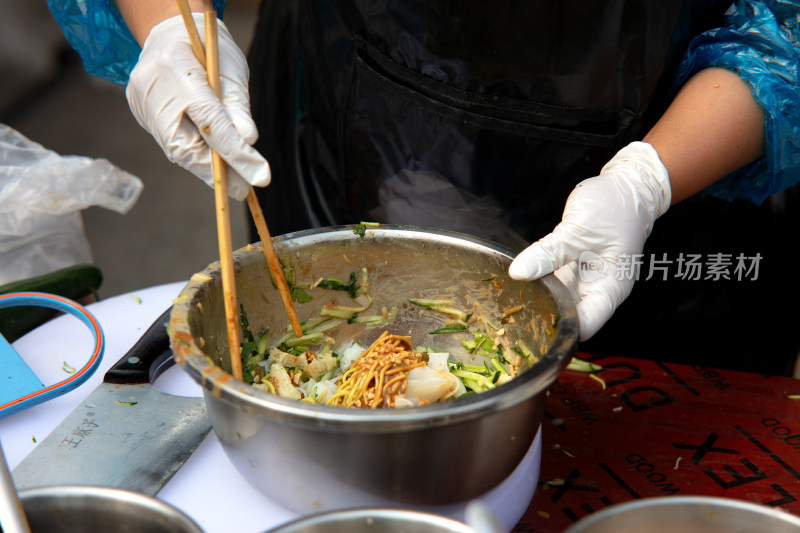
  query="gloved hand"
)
[
  {"x": 170, "y": 97},
  {"x": 606, "y": 221}
]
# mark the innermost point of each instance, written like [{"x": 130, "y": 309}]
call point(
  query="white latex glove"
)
[
  {"x": 170, "y": 97},
  {"x": 605, "y": 224}
]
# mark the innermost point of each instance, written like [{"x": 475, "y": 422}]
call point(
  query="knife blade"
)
[{"x": 126, "y": 434}]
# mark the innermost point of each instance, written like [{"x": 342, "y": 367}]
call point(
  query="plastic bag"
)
[{"x": 41, "y": 196}]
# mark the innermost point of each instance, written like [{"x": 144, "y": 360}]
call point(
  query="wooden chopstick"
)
[
  {"x": 191, "y": 29},
  {"x": 272, "y": 259},
  {"x": 252, "y": 201},
  {"x": 220, "y": 170}
]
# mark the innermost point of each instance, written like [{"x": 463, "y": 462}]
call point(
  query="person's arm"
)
[
  {"x": 713, "y": 127},
  {"x": 142, "y": 15}
]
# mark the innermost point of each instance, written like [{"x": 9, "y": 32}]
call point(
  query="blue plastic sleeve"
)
[
  {"x": 759, "y": 41},
  {"x": 97, "y": 31}
]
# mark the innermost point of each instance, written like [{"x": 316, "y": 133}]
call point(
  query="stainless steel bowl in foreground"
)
[
  {"x": 688, "y": 514},
  {"x": 84, "y": 509},
  {"x": 373, "y": 521},
  {"x": 310, "y": 457}
]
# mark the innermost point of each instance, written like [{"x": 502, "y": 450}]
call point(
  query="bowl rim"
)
[
  {"x": 220, "y": 384},
  {"x": 719, "y": 502},
  {"x": 421, "y": 517},
  {"x": 106, "y": 495}
]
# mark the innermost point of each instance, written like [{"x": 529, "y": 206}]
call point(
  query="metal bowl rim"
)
[
  {"x": 621, "y": 509},
  {"x": 58, "y": 493},
  {"x": 324, "y": 517}
]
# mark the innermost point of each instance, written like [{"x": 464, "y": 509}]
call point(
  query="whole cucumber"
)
[{"x": 73, "y": 282}]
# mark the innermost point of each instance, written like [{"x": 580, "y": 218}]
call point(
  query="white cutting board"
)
[{"x": 207, "y": 488}]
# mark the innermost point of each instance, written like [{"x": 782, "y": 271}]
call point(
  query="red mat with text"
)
[{"x": 660, "y": 429}]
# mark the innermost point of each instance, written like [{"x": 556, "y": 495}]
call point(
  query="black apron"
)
[{"x": 468, "y": 115}]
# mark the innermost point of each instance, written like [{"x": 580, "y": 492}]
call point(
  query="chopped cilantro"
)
[
  {"x": 361, "y": 229},
  {"x": 300, "y": 295},
  {"x": 350, "y": 288}
]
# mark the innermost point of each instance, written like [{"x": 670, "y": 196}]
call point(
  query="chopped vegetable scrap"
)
[
  {"x": 579, "y": 365},
  {"x": 299, "y": 295},
  {"x": 444, "y": 306},
  {"x": 599, "y": 380},
  {"x": 351, "y": 288},
  {"x": 452, "y": 328},
  {"x": 361, "y": 229}
]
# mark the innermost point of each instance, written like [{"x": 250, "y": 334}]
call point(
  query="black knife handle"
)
[{"x": 150, "y": 356}]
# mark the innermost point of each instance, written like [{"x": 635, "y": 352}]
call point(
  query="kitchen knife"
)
[{"x": 126, "y": 434}]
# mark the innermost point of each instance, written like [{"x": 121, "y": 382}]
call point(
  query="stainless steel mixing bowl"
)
[
  {"x": 83, "y": 509},
  {"x": 373, "y": 521},
  {"x": 688, "y": 514},
  {"x": 311, "y": 457}
]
